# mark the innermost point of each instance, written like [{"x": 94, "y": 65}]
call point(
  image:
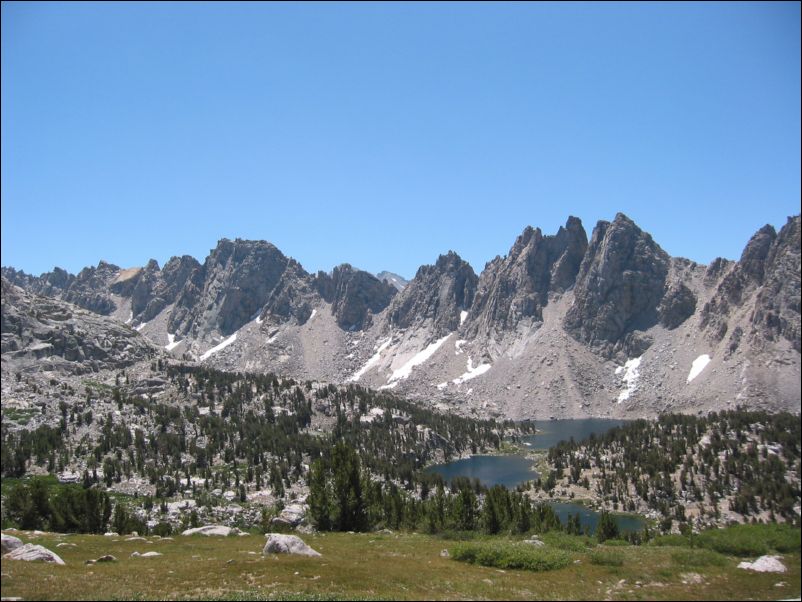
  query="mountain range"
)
[{"x": 561, "y": 326}]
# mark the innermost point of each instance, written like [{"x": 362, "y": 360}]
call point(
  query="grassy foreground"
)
[{"x": 380, "y": 566}]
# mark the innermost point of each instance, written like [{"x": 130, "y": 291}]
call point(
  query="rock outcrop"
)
[
  {"x": 517, "y": 287},
  {"x": 620, "y": 285},
  {"x": 767, "y": 279},
  {"x": 212, "y": 531},
  {"x": 278, "y": 543},
  {"x": 9, "y": 543},
  {"x": 32, "y": 552},
  {"x": 355, "y": 295},
  {"x": 35, "y": 327},
  {"x": 438, "y": 294},
  {"x": 237, "y": 278}
]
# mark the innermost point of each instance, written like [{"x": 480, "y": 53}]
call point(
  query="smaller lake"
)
[
  {"x": 513, "y": 470},
  {"x": 551, "y": 432},
  {"x": 590, "y": 518},
  {"x": 509, "y": 471}
]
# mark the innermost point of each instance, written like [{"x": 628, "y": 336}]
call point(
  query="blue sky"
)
[{"x": 385, "y": 134}]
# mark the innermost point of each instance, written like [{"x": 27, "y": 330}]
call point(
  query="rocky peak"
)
[
  {"x": 355, "y": 295},
  {"x": 777, "y": 308},
  {"x": 753, "y": 258},
  {"x": 517, "y": 286},
  {"x": 397, "y": 281},
  {"x": 620, "y": 284},
  {"x": 769, "y": 268},
  {"x": 90, "y": 288},
  {"x": 232, "y": 286},
  {"x": 438, "y": 293}
]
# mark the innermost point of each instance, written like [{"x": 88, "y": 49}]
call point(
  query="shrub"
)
[
  {"x": 510, "y": 556},
  {"x": 733, "y": 541},
  {"x": 617, "y": 543},
  {"x": 671, "y": 540},
  {"x": 563, "y": 541},
  {"x": 607, "y": 558},
  {"x": 697, "y": 558}
]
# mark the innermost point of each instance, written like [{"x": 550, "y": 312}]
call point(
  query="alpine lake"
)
[{"x": 512, "y": 470}]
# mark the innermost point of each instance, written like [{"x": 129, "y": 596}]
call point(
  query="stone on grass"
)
[
  {"x": 212, "y": 530},
  {"x": 278, "y": 543},
  {"x": 145, "y": 555},
  {"x": 9, "y": 543},
  {"x": 764, "y": 564},
  {"x": 31, "y": 552},
  {"x": 534, "y": 541}
]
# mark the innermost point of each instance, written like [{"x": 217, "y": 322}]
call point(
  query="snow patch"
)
[
  {"x": 698, "y": 365},
  {"x": 172, "y": 343},
  {"x": 392, "y": 386},
  {"x": 130, "y": 318},
  {"x": 458, "y": 346},
  {"x": 141, "y": 326},
  {"x": 462, "y": 315},
  {"x": 442, "y": 386},
  {"x": 217, "y": 348},
  {"x": 314, "y": 311},
  {"x": 472, "y": 372},
  {"x": 371, "y": 362},
  {"x": 419, "y": 358},
  {"x": 630, "y": 378}
]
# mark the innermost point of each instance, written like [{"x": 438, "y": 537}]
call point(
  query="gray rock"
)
[
  {"x": 212, "y": 531},
  {"x": 438, "y": 294},
  {"x": 678, "y": 304},
  {"x": 517, "y": 286},
  {"x": 619, "y": 286},
  {"x": 9, "y": 543},
  {"x": 107, "y": 558},
  {"x": 278, "y": 543},
  {"x": 33, "y": 552},
  {"x": 354, "y": 295}
]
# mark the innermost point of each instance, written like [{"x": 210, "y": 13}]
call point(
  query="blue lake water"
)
[
  {"x": 551, "y": 432},
  {"x": 509, "y": 471},
  {"x": 512, "y": 470}
]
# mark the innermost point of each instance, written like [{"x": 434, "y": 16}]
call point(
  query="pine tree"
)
[{"x": 319, "y": 499}]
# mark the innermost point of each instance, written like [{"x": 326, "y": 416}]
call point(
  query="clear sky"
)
[{"x": 385, "y": 134}]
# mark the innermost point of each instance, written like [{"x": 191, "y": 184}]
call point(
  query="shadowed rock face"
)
[
  {"x": 293, "y": 297},
  {"x": 354, "y": 295},
  {"x": 158, "y": 289},
  {"x": 678, "y": 304},
  {"x": 777, "y": 310},
  {"x": 517, "y": 286},
  {"x": 438, "y": 294},
  {"x": 230, "y": 288},
  {"x": 769, "y": 268},
  {"x": 618, "y": 289}
]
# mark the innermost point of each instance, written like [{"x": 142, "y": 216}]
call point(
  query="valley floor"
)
[{"x": 375, "y": 566}]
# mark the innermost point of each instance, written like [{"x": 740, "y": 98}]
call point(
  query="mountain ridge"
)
[{"x": 539, "y": 332}]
